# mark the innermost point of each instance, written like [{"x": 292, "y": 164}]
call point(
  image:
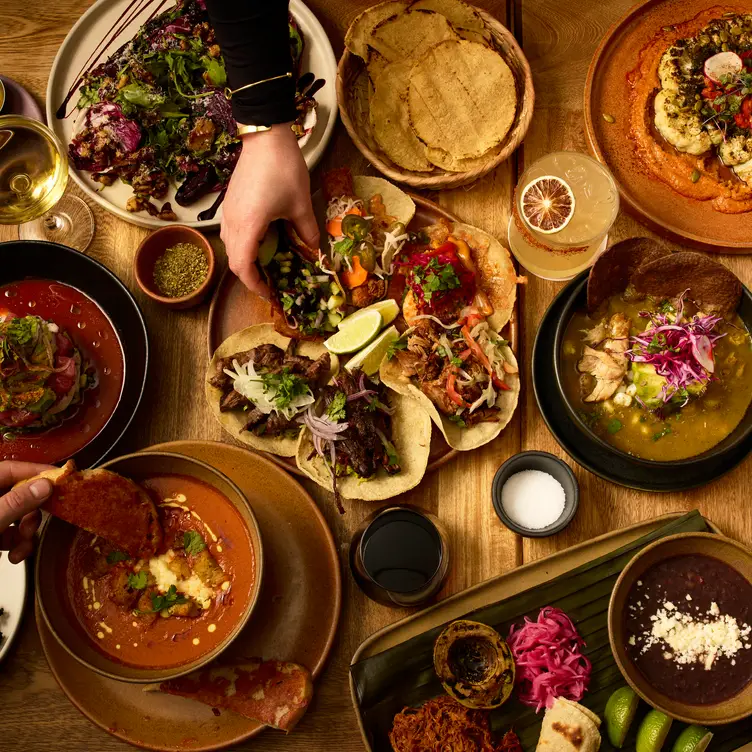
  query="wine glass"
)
[{"x": 33, "y": 177}]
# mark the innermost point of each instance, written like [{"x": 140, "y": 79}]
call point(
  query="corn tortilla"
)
[
  {"x": 406, "y": 36},
  {"x": 411, "y": 436},
  {"x": 568, "y": 727},
  {"x": 457, "y": 12},
  {"x": 359, "y": 33},
  {"x": 234, "y": 420},
  {"x": 390, "y": 122},
  {"x": 461, "y": 98},
  {"x": 447, "y": 162}
]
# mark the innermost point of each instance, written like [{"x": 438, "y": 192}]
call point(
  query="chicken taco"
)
[
  {"x": 259, "y": 384},
  {"x": 307, "y": 297},
  {"x": 364, "y": 441}
]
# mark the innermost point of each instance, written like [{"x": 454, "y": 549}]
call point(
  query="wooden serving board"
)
[{"x": 512, "y": 583}]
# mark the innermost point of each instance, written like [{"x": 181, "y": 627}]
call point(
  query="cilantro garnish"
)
[
  {"x": 614, "y": 426},
  {"x": 336, "y": 409},
  {"x": 287, "y": 386},
  {"x": 193, "y": 543},
  {"x": 344, "y": 247},
  {"x": 171, "y": 598},
  {"x": 398, "y": 344},
  {"x": 115, "y": 556},
  {"x": 665, "y": 431},
  {"x": 138, "y": 580},
  {"x": 457, "y": 420},
  {"x": 437, "y": 277}
]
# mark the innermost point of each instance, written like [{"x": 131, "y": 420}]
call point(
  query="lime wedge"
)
[
  {"x": 619, "y": 714},
  {"x": 356, "y": 336},
  {"x": 693, "y": 739},
  {"x": 369, "y": 358},
  {"x": 268, "y": 246},
  {"x": 653, "y": 731},
  {"x": 389, "y": 309}
]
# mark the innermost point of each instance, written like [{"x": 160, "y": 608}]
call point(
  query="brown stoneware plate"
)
[
  {"x": 295, "y": 618},
  {"x": 234, "y": 308},
  {"x": 607, "y": 94},
  {"x": 735, "y": 555}
]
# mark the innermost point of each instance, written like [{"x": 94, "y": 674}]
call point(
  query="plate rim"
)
[
  {"x": 128, "y": 419},
  {"x": 176, "y": 446},
  {"x": 634, "y": 208},
  {"x": 10, "y": 637},
  {"x": 152, "y": 223}
]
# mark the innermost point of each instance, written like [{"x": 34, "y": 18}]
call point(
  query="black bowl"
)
[
  {"x": 31, "y": 259},
  {"x": 598, "y": 456},
  {"x": 550, "y": 464}
]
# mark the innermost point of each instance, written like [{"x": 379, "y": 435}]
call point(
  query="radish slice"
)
[
  {"x": 702, "y": 349},
  {"x": 723, "y": 64}
]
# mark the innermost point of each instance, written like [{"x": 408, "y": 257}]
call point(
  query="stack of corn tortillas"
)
[{"x": 440, "y": 94}]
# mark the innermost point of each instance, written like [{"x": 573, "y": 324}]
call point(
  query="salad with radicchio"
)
[{"x": 157, "y": 111}]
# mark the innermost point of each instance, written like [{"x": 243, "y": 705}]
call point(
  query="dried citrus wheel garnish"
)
[{"x": 547, "y": 204}]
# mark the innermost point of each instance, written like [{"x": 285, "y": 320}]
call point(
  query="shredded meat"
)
[{"x": 607, "y": 366}]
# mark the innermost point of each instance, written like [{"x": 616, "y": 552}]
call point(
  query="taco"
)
[
  {"x": 464, "y": 376},
  {"x": 364, "y": 220},
  {"x": 306, "y": 295},
  {"x": 363, "y": 441},
  {"x": 453, "y": 271},
  {"x": 259, "y": 384}
]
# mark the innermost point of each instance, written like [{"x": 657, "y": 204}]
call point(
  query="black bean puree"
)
[{"x": 707, "y": 580}]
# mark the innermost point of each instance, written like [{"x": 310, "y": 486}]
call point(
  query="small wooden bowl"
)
[
  {"x": 54, "y": 551},
  {"x": 153, "y": 246},
  {"x": 726, "y": 550},
  {"x": 352, "y": 99}
]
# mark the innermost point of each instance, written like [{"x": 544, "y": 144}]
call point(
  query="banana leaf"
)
[{"x": 404, "y": 676}]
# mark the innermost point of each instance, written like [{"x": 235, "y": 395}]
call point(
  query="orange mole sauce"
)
[
  {"x": 92, "y": 333},
  {"x": 128, "y": 637}
]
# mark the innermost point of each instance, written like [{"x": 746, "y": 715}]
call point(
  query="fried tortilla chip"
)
[
  {"x": 614, "y": 268},
  {"x": 462, "y": 98},
  {"x": 406, "y": 36},
  {"x": 105, "y": 504},
  {"x": 359, "y": 33},
  {"x": 390, "y": 122},
  {"x": 710, "y": 284},
  {"x": 451, "y": 164},
  {"x": 457, "y": 12},
  {"x": 271, "y": 692}
]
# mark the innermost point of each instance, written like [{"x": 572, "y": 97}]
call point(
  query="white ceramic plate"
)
[
  {"x": 94, "y": 27},
  {"x": 13, "y": 584}
]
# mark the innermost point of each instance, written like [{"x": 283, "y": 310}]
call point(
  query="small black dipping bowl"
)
[{"x": 547, "y": 463}]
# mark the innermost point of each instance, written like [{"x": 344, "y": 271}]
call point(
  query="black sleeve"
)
[{"x": 255, "y": 42}]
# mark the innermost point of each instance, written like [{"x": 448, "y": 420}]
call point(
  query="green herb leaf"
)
[
  {"x": 336, "y": 409},
  {"x": 665, "y": 431},
  {"x": 287, "y": 302},
  {"x": 215, "y": 67},
  {"x": 614, "y": 426},
  {"x": 159, "y": 601},
  {"x": 344, "y": 247},
  {"x": 193, "y": 543},
  {"x": 457, "y": 420},
  {"x": 455, "y": 361},
  {"x": 287, "y": 386},
  {"x": 440, "y": 278},
  {"x": 398, "y": 344},
  {"x": 115, "y": 556},
  {"x": 138, "y": 580}
]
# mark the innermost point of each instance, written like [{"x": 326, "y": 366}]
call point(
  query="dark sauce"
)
[
  {"x": 401, "y": 551},
  {"x": 706, "y": 580}
]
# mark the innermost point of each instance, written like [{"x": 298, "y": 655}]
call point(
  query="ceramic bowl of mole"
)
[
  {"x": 63, "y": 549},
  {"x": 675, "y": 551},
  {"x": 547, "y": 463},
  {"x": 154, "y": 246}
]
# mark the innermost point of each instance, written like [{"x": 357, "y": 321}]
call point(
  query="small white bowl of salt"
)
[{"x": 535, "y": 494}]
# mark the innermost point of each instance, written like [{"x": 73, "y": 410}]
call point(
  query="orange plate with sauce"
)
[
  {"x": 295, "y": 618},
  {"x": 234, "y": 307}
]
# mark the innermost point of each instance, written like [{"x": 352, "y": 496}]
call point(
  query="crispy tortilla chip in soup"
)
[
  {"x": 389, "y": 119},
  {"x": 359, "y": 33},
  {"x": 406, "y": 36},
  {"x": 462, "y": 98},
  {"x": 458, "y": 12}
]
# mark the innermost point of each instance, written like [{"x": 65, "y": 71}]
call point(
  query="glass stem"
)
[{"x": 51, "y": 222}]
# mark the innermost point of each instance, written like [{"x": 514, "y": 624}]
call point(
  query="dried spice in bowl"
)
[{"x": 180, "y": 270}]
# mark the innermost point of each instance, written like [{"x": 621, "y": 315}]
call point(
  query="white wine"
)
[{"x": 33, "y": 170}]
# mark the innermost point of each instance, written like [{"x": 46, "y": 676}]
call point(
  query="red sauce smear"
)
[{"x": 91, "y": 331}]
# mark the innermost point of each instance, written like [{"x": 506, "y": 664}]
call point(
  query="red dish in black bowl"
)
[{"x": 100, "y": 358}]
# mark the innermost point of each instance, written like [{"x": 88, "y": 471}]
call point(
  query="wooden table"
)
[{"x": 559, "y": 39}]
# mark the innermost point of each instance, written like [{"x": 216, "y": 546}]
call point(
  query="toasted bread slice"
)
[{"x": 105, "y": 504}]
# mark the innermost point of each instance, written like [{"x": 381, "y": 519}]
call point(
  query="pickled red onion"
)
[{"x": 548, "y": 659}]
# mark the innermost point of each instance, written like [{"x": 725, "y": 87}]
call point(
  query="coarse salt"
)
[{"x": 533, "y": 499}]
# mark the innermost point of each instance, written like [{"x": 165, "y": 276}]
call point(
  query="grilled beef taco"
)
[
  {"x": 307, "y": 297},
  {"x": 259, "y": 384},
  {"x": 463, "y": 375},
  {"x": 363, "y": 441},
  {"x": 452, "y": 271}
]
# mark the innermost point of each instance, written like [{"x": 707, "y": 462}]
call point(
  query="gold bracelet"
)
[
  {"x": 246, "y": 129},
  {"x": 229, "y": 92}
]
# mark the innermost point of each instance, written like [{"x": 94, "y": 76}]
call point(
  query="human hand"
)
[
  {"x": 270, "y": 181},
  {"x": 21, "y": 505}
]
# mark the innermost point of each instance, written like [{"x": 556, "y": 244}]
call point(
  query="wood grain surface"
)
[{"x": 559, "y": 38}]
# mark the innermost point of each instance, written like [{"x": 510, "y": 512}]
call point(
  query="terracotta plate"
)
[
  {"x": 606, "y": 92},
  {"x": 295, "y": 620},
  {"x": 234, "y": 308}
]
